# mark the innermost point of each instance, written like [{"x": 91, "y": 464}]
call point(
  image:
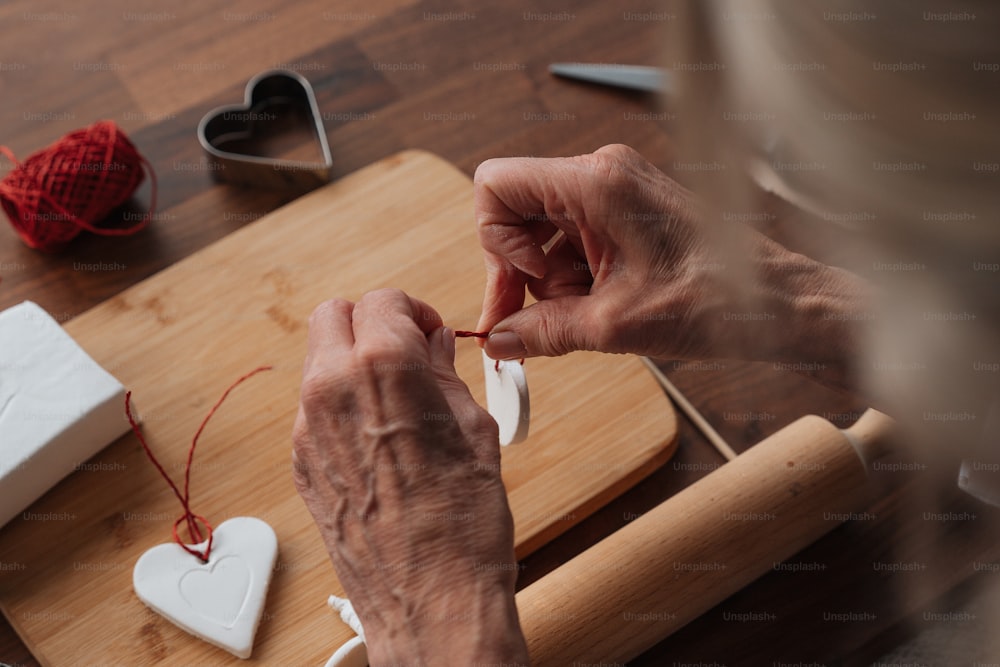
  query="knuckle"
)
[
  {"x": 325, "y": 310},
  {"x": 617, "y": 151},
  {"x": 552, "y": 337},
  {"x": 319, "y": 386},
  {"x": 384, "y": 294},
  {"x": 615, "y": 167},
  {"x": 389, "y": 354},
  {"x": 603, "y": 328},
  {"x": 488, "y": 169},
  {"x": 612, "y": 172},
  {"x": 487, "y": 429},
  {"x": 480, "y": 424},
  {"x": 383, "y": 307}
]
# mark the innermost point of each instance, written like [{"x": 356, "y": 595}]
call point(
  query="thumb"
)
[
  {"x": 441, "y": 342},
  {"x": 548, "y": 328},
  {"x": 479, "y": 429}
]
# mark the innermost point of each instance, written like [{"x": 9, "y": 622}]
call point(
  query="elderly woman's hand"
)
[
  {"x": 640, "y": 269},
  {"x": 400, "y": 469}
]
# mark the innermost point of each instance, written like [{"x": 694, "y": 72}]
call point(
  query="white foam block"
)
[{"x": 58, "y": 407}]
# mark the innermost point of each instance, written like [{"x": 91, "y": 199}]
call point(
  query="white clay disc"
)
[
  {"x": 220, "y": 601},
  {"x": 507, "y": 399}
]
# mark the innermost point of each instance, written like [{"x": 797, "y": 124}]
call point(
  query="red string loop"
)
[
  {"x": 192, "y": 520},
  {"x": 189, "y": 517}
]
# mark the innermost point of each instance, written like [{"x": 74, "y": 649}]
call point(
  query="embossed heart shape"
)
[
  {"x": 219, "y": 592},
  {"x": 220, "y": 601},
  {"x": 236, "y": 138}
]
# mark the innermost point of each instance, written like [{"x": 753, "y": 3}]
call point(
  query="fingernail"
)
[
  {"x": 505, "y": 345},
  {"x": 448, "y": 341}
]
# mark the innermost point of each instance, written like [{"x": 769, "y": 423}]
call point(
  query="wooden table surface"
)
[{"x": 467, "y": 82}]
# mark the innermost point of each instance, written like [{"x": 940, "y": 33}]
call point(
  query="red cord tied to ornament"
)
[
  {"x": 190, "y": 518},
  {"x": 480, "y": 334},
  {"x": 74, "y": 184}
]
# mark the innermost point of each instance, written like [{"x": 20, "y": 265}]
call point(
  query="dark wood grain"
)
[{"x": 395, "y": 74}]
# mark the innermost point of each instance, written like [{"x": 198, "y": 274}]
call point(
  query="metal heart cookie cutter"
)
[{"x": 278, "y": 105}]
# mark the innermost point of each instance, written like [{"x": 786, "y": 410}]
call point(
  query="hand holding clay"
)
[
  {"x": 637, "y": 272},
  {"x": 626, "y": 259}
]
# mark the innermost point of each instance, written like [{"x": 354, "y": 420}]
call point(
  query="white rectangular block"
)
[{"x": 58, "y": 407}]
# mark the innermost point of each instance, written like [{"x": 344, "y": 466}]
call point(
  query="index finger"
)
[
  {"x": 521, "y": 204},
  {"x": 511, "y": 211}
]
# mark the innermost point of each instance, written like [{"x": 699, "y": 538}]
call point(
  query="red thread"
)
[
  {"x": 480, "y": 334},
  {"x": 73, "y": 184},
  {"x": 192, "y": 519},
  {"x": 472, "y": 334}
]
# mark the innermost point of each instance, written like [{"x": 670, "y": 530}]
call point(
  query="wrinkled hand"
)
[
  {"x": 630, "y": 262},
  {"x": 400, "y": 469},
  {"x": 637, "y": 270}
]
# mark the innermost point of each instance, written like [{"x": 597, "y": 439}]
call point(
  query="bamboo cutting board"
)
[{"x": 177, "y": 340}]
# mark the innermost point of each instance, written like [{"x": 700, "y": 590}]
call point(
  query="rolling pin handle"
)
[{"x": 870, "y": 436}]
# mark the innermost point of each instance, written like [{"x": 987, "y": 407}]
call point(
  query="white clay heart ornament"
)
[
  {"x": 220, "y": 601},
  {"x": 507, "y": 398}
]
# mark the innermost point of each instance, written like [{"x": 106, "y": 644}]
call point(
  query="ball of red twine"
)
[{"x": 73, "y": 184}]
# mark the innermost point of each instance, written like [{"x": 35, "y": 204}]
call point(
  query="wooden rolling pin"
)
[{"x": 650, "y": 578}]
